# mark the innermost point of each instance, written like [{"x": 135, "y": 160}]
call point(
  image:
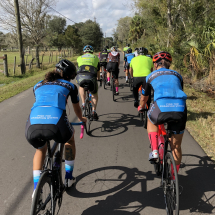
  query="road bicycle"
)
[
  {"x": 50, "y": 188},
  {"x": 130, "y": 81},
  {"x": 143, "y": 112},
  {"x": 166, "y": 168},
  {"x": 87, "y": 110}
]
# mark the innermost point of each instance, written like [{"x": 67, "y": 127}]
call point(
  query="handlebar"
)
[{"x": 82, "y": 127}]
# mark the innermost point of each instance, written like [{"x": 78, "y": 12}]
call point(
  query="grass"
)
[
  {"x": 201, "y": 119},
  {"x": 11, "y": 55},
  {"x": 13, "y": 85}
]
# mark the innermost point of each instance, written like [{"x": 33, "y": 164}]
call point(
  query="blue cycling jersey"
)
[
  {"x": 51, "y": 98},
  {"x": 129, "y": 57},
  {"x": 168, "y": 90}
]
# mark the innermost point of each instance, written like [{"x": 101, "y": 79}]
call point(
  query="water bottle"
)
[{"x": 161, "y": 147}]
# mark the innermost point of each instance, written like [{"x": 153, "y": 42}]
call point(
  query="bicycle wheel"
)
[
  {"x": 42, "y": 202},
  {"x": 104, "y": 77},
  {"x": 88, "y": 110},
  {"x": 170, "y": 186},
  {"x": 113, "y": 88},
  {"x": 131, "y": 84}
]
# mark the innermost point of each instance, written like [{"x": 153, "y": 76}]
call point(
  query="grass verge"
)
[
  {"x": 201, "y": 119},
  {"x": 17, "y": 84}
]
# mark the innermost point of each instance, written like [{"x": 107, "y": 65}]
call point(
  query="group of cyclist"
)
[{"x": 48, "y": 119}]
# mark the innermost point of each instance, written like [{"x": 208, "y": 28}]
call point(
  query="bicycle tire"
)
[
  {"x": 113, "y": 88},
  {"x": 104, "y": 77},
  {"x": 171, "y": 187},
  {"x": 88, "y": 112},
  {"x": 37, "y": 203}
]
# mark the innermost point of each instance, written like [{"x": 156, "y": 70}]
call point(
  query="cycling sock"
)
[
  {"x": 108, "y": 79},
  {"x": 69, "y": 165},
  {"x": 117, "y": 89},
  {"x": 153, "y": 138},
  {"x": 172, "y": 170},
  {"x": 36, "y": 177},
  {"x": 126, "y": 78},
  {"x": 83, "y": 104}
]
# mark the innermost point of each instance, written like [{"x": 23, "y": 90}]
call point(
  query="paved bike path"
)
[{"x": 114, "y": 176}]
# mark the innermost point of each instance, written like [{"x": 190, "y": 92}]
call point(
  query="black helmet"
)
[
  {"x": 142, "y": 51},
  {"x": 136, "y": 49},
  {"x": 128, "y": 44},
  {"x": 68, "y": 68},
  {"x": 104, "y": 50},
  {"x": 129, "y": 50},
  {"x": 107, "y": 47}
]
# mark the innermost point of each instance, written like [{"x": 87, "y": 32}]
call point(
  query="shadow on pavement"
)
[
  {"x": 116, "y": 123},
  {"x": 198, "y": 194}
]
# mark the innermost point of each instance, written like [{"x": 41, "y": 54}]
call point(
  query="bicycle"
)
[
  {"x": 87, "y": 112},
  {"x": 51, "y": 187},
  {"x": 163, "y": 167},
  {"x": 130, "y": 80}
]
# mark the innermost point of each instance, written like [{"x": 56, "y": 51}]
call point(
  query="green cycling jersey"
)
[
  {"x": 141, "y": 66},
  {"x": 88, "y": 59}
]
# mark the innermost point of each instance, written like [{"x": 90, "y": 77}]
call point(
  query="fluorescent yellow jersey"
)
[{"x": 141, "y": 66}]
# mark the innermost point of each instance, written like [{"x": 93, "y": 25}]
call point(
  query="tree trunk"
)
[{"x": 37, "y": 57}]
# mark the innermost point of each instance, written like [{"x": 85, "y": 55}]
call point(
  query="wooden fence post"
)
[
  {"x": 14, "y": 67},
  {"x": 5, "y": 65},
  {"x": 51, "y": 56}
]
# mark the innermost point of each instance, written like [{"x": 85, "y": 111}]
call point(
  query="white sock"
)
[
  {"x": 82, "y": 104},
  {"x": 126, "y": 78}
]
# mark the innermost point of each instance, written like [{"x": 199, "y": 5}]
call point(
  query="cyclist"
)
[
  {"x": 135, "y": 52},
  {"x": 125, "y": 49},
  {"x": 128, "y": 57},
  {"x": 108, "y": 50},
  {"x": 113, "y": 65},
  {"x": 169, "y": 104},
  {"x": 48, "y": 119},
  {"x": 103, "y": 59},
  {"x": 88, "y": 72},
  {"x": 140, "y": 67}
]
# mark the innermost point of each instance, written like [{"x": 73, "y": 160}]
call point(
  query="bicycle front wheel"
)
[
  {"x": 170, "y": 186},
  {"x": 42, "y": 202}
]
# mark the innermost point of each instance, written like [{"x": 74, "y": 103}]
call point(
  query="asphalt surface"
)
[{"x": 114, "y": 176}]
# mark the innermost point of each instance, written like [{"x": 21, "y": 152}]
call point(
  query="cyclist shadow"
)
[
  {"x": 125, "y": 201},
  {"x": 199, "y": 185},
  {"x": 116, "y": 125},
  {"x": 192, "y": 116}
]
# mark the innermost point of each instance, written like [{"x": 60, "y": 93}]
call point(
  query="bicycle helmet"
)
[
  {"x": 104, "y": 50},
  {"x": 68, "y": 68},
  {"x": 162, "y": 55},
  {"x": 128, "y": 45},
  {"x": 142, "y": 51},
  {"x": 107, "y": 47},
  {"x": 88, "y": 48},
  {"x": 129, "y": 50},
  {"x": 136, "y": 49},
  {"x": 113, "y": 48}
]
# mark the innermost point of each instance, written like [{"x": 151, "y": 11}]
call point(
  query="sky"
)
[{"x": 106, "y": 12}]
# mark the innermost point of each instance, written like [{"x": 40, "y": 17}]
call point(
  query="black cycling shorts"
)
[
  {"x": 127, "y": 65},
  {"x": 104, "y": 64},
  {"x": 84, "y": 79},
  {"x": 38, "y": 134},
  {"x": 114, "y": 68},
  {"x": 176, "y": 120}
]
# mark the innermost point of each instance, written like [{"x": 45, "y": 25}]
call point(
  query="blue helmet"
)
[{"x": 88, "y": 48}]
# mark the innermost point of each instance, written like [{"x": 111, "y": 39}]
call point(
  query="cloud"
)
[{"x": 106, "y": 12}]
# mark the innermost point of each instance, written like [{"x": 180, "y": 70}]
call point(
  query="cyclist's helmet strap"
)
[
  {"x": 68, "y": 69},
  {"x": 162, "y": 55},
  {"x": 88, "y": 48}
]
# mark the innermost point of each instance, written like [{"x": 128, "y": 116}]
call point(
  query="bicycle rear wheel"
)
[
  {"x": 131, "y": 84},
  {"x": 88, "y": 115},
  {"x": 170, "y": 186},
  {"x": 104, "y": 77},
  {"x": 145, "y": 119},
  {"x": 113, "y": 88},
  {"x": 42, "y": 202}
]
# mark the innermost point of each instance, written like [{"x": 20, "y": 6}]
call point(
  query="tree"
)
[
  {"x": 33, "y": 14},
  {"x": 2, "y": 40}
]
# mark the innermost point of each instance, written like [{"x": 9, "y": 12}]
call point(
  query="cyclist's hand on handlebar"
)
[{"x": 84, "y": 119}]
